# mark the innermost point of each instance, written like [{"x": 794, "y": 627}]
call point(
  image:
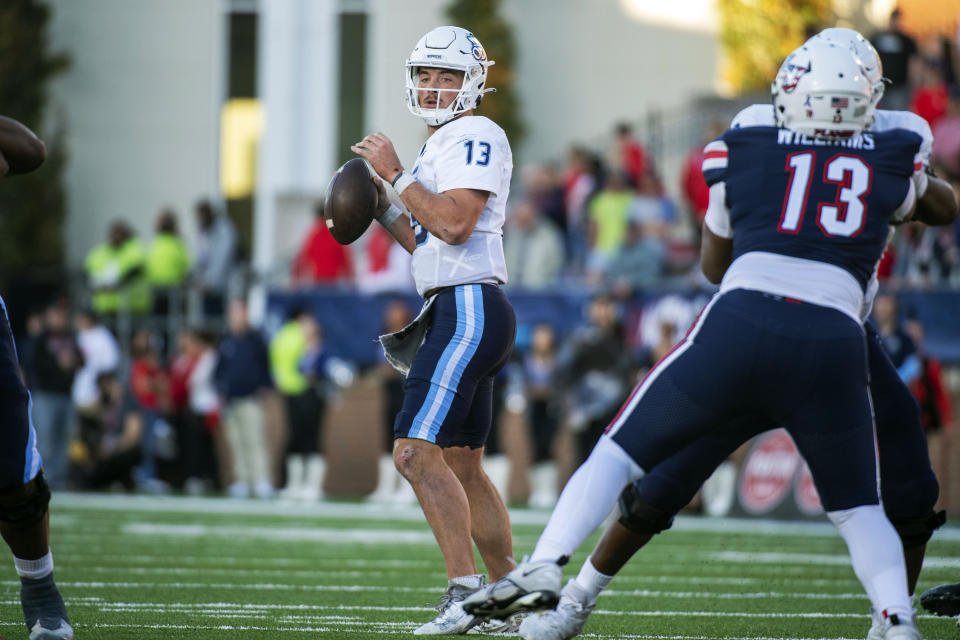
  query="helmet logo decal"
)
[
  {"x": 793, "y": 74},
  {"x": 476, "y": 49}
]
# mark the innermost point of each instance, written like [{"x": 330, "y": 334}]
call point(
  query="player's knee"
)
[
  {"x": 22, "y": 507},
  {"x": 641, "y": 517},
  {"x": 913, "y": 498},
  {"x": 916, "y": 531},
  {"x": 405, "y": 459},
  {"x": 413, "y": 459}
]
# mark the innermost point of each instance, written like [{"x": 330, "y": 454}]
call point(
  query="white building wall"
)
[
  {"x": 582, "y": 65},
  {"x": 142, "y": 98},
  {"x": 141, "y": 104}
]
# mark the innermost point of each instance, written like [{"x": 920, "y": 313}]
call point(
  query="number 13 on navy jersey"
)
[{"x": 775, "y": 191}]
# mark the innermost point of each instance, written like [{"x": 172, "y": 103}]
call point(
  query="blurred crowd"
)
[
  {"x": 243, "y": 413},
  {"x": 195, "y": 420},
  {"x": 924, "y": 79},
  {"x": 157, "y": 380}
]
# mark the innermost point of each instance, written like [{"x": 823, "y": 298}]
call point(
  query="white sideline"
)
[{"x": 372, "y": 511}]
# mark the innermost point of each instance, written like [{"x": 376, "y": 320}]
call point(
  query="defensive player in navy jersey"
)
[
  {"x": 456, "y": 195},
  {"x": 800, "y": 214},
  {"x": 24, "y": 495},
  {"x": 908, "y": 485}
]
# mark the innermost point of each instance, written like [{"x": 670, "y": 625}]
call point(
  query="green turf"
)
[{"x": 214, "y": 569}]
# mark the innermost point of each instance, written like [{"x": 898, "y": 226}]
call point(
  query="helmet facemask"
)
[
  {"x": 467, "y": 97},
  {"x": 451, "y": 48}
]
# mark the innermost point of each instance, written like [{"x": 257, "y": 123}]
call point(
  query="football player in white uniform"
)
[{"x": 456, "y": 195}]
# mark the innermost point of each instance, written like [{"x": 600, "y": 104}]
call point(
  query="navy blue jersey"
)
[{"x": 820, "y": 200}]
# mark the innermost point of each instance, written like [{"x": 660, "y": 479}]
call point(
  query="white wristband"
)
[
  {"x": 389, "y": 216},
  {"x": 921, "y": 181},
  {"x": 402, "y": 181}
]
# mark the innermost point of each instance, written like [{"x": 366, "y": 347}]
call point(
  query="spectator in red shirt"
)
[
  {"x": 179, "y": 371},
  {"x": 148, "y": 380},
  {"x": 321, "y": 259},
  {"x": 930, "y": 99},
  {"x": 385, "y": 265},
  {"x": 929, "y": 388},
  {"x": 629, "y": 155},
  {"x": 151, "y": 390},
  {"x": 696, "y": 193}
]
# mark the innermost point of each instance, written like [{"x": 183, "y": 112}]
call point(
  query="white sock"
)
[
  {"x": 877, "y": 556},
  {"x": 34, "y": 569},
  {"x": 586, "y": 500},
  {"x": 471, "y": 582},
  {"x": 591, "y": 580}
]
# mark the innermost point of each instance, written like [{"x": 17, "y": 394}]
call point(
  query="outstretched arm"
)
[{"x": 21, "y": 151}]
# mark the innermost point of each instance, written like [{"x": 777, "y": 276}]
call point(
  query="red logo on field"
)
[
  {"x": 805, "y": 492},
  {"x": 768, "y": 472}
]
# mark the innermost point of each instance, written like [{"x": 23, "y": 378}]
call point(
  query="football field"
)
[{"x": 143, "y": 568}]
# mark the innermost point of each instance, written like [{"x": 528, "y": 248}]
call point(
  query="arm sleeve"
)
[
  {"x": 474, "y": 159},
  {"x": 715, "y": 162},
  {"x": 717, "y": 217}
]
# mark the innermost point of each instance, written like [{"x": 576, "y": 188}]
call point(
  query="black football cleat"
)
[{"x": 943, "y": 600}]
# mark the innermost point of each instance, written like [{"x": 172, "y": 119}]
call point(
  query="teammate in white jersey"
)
[{"x": 455, "y": 194}]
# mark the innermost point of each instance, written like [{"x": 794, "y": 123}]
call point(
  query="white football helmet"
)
[
  {"x": 821, "y": 90},
  {"x": 862, "y": 48},
  {"x": 448, "y": 48}
]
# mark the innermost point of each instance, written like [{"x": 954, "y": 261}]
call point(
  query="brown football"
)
[{"x": 351, "y": 201}]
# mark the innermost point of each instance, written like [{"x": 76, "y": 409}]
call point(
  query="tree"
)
[
  {"x": 758, "y": 34},
  {"x": 32, "y": 206},
  {"x": 483, "y": 18}
]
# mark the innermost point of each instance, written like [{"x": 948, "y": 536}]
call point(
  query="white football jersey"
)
[
  {"x": 471, "y": 152},
  {"x": 761, "y": 115}
]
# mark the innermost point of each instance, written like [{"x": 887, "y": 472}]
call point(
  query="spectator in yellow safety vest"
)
[
  {"x": 115, "y": 273},
  {"x": 168, "y": 263}
]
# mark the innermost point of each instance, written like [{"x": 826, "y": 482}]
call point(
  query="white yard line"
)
[
  {"x": 779, "y": 558},
  {"x": 325, "y": 535},
  {"x": 387, "y": 627}
]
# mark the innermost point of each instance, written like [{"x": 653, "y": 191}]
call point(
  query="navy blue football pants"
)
[
  {"x": 753, "y": 362},
  {"x": 448, "y": 394},
  {"x": 908, "y": 486},
  {"x": 19, "y": 459}
]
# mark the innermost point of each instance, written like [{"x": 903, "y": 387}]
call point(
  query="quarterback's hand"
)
[
  {"x": 383, "y": 201},
  {"x": 377, "y": 149}
]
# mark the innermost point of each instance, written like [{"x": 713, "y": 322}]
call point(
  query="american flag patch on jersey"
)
[{"x": 839, "y": 103}]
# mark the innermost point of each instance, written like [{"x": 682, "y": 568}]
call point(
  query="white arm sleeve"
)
[{"x": 717, "y": 217}]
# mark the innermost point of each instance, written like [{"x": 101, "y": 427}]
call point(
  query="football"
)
[{"x": 351, "y": 201}]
